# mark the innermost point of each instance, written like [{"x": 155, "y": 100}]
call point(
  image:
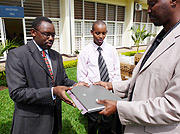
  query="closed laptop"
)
[{"x": 87, "y": 96}]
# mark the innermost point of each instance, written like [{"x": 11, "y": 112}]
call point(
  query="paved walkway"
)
[{"x": 2, "y": 67}]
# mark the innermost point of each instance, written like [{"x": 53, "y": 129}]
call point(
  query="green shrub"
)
[
  {"x": 69, "y": 64},
  {"x": 3, "y": 79},
  {"x": 131, "y": 53},
  {"x": 3, "y": 83},
  {"x": 9, "y": 44}
]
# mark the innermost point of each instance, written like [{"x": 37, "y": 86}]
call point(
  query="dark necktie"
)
[
  {"x": 102, "y": 67},
  {"x": 48, "y": 65}
]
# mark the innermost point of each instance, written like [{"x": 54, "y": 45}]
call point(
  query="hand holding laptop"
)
[
  {"x": 59, "y": 91},
  {"x": 110, "y": 107},
  {"x": 85, "y": 97},
  {"x": 81, "y": 84},
  {"x": 107, "y": 85}
]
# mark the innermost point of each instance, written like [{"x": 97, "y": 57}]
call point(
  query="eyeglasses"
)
[{"x": 47, "y": 34}]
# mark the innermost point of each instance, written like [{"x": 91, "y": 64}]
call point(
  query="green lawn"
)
[{"x": 73, "y": 121}]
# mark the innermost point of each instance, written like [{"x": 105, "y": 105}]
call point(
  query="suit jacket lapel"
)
[
  {"x": 37, "y": 56},
  {"x": 163, "y": 46}
]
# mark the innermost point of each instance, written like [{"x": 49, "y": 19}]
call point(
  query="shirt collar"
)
[
  {"x": 96, "y": 46},
  {"x": 40, "y": 49}
]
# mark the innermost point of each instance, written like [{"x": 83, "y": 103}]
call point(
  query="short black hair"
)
[
  {"x": 98, "y": 22},
  {"x": 37, "y": 21}
]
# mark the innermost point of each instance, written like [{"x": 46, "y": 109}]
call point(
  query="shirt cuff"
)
[
  {"x": 74, "y": 84},
  {"x": 53, "y": 96}
]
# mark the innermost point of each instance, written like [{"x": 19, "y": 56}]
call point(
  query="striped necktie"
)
[
  {"x": 47, "y": 63},
  {"x": 102, "y": 67}
]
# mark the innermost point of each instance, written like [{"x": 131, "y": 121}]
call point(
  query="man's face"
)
[
  {"x": 159, "y": 11},
  {"x": 99, "y": 33},
  {"x": 44, "y": 35}
]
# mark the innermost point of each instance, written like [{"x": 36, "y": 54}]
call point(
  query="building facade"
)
[{"x": 73, "y": 20}]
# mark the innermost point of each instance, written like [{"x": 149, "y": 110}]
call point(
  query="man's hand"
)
[
  {"x": 110, "y": 107},
  {"x": 81, "y": 84},
  {"x": 107, "y": 85},
  {"x": 59, "y": 91}
]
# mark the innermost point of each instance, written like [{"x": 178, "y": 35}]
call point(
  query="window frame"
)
[{"x": 110, "y": 38}]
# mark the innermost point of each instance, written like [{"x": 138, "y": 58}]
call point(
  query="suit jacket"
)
[
  {"x": 29, "y": 84},
  {"x": 155, "y": 105}
]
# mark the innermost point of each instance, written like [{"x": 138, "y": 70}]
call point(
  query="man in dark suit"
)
[{"x": 35, "y": 87}]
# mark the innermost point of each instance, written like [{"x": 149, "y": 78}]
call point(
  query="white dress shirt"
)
[{"x": 88, "y": 69}]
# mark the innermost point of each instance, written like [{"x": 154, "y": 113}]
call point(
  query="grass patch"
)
[
  {"x": 73, "y": 122},
  {"x": 6, "y": 112},
  {"x": 131, "y": 53},
  {"x": 72, "y": 73}
]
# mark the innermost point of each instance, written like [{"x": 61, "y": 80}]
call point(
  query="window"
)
[
  {"x": 48, "y": 8},
  {"x": 32, "y": 8},
  {"x": 28, "y": 24},
  {"x": 78, "y": 12},
  {"x": 51, "y": 8},
  {"x": 141, "y": 18},
  {"x": 101, "y": 11},
  {"x": 11, "y": 3},
  {"x": 89, "y": 10},
  {"x": 111, "y": 12},
  {"x": 86, "y": 13}
]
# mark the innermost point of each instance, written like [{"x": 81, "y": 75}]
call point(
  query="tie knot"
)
[{"x": 99, "y": 49}]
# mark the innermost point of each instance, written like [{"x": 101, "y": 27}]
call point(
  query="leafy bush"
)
[
  {"x": 3, "y": 83},
  {"x": 69, "y": 64},
  {"x": 131, "y": 53},
  {"x": 9, "y": 44},
  {"x": 1, "y": 48},
  {"x": 139, "y": 35},
  {"x": 3, "y": 79}
]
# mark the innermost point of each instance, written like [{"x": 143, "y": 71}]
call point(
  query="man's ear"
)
[
  {"x": 33, "y": 32},
  {"x": 173, "y": 3}
]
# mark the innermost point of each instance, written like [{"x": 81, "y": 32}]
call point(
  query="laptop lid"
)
[{"x": 87, "y": 96}]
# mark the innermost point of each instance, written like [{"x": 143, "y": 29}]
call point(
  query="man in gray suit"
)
[
  {"x": 35, "y": 87},
  {"x": 154, "y": 90}
]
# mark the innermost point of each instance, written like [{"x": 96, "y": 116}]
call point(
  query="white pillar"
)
[
  {"x": 127, "y": 41},
  {"x": 67, "y": 26}
]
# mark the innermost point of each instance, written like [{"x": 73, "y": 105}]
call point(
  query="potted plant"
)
[
  {"x": 9, "y": 44},
  {"x": 139, "y": 35}
]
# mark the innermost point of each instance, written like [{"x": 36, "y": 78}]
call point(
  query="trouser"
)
[
  {"x": 117, "y": 127},
  {"x": 96, "y": 120},
  {"x": 55, "y": 129}
]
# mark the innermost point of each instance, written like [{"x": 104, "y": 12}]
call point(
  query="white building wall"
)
[
  {"x": 128, "y": 23},
  {"x": 67, "y": 36},
  {"x": 67, "y": 28}
]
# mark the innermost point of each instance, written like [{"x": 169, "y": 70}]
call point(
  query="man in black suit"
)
[{"x": 35, "y": 88}]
